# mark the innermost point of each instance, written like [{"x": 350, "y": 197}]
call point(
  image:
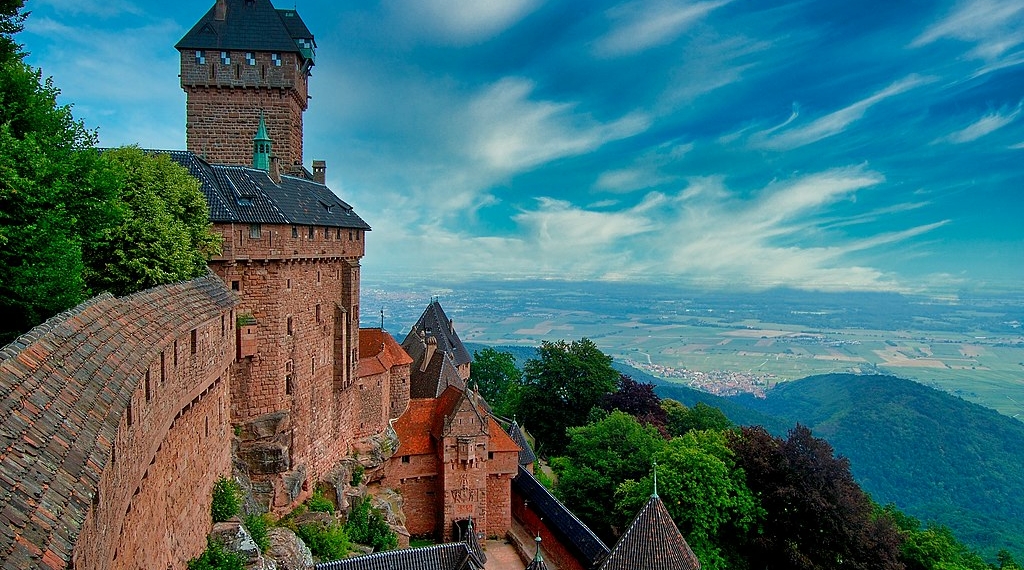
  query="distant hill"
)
[{"x": 934, "y": 455}]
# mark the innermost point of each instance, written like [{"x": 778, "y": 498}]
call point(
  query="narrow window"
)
[
  {"x": 490, "y": 455},
  {"x": 149, "y": 388},
  {"x": 327, "y": 233},
  {"x": 350, "y": 235},
  {"x": 318, "y": 276},
  {"x": 163, "y": 369},
  {"x": 128, "y": 412},
  {"x": 405, "y": 459},
  {"x": 358, "y": 235},
  {"x": 193, "y": 341},
  {"x": 288, "y": 388},
  {"x": 290, "y": 330},
  {"x": 312, "y": 365},
  {"x": 318, "y": 313},
  {"x": 238, "y": 71},
  {"x": 338, "y": 235},
  {"x": 263, "y": 71},
  {"x": 295, "y": 231},
  {"x": 223, "y": 325},
  {"x": 255, "y": 231},
  {"x": 175, "y": 353},
  {"x": 312, "y": 230},
  {"x": 207, "y": 427},
  {"x": 200, "y": 57},
  {"x": 289, "y": 284},
  {"x": 235, "y": 285}
]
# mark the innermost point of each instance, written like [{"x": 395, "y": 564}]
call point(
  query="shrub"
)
[
  {"x": 357, "y": 474},
  {"x": 319, "y": 503},
  {"x": 216, "y": 557},
  {"x": 366, "y": 525},
  {"x": 226, "y": 499},
  {"x": 330, "y": 542},
  {"x": 257, "y": 527}
]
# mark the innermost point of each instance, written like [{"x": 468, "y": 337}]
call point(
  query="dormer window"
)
[
  {"x": 275, "y": 58},
  {"x": 225, "y": 58},
  {"x": 200, "y": 57}
]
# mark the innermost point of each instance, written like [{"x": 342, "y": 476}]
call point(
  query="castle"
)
[{"x": 120, "y": 414}]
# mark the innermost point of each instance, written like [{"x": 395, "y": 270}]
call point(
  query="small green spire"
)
[
  {"x": 261, "y": 145},
  {"x": 537, "y": 557},
  {"x": 655, "y": 493}
]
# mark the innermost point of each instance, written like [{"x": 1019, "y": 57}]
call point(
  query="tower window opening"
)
[
  {"x": 200, "y": 57},
  {"x": 295, "y": 231},
  {"x": 225, "y": 58},
  {"x": 255, "y": 231},
  {"x": 250, "y": 58},
  {"x": 275, "y": 58},
  {"x": 312, "y": 231},
  {"x": 238, "y": 71}
]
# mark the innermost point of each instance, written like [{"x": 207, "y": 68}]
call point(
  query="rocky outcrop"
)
[{"x": 288, "y": 551}]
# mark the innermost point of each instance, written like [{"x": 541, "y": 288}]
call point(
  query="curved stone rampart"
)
[{"x": 113, "y": 426}]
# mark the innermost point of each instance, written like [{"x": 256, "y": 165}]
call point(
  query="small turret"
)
[{"x": 261, "y": 145}]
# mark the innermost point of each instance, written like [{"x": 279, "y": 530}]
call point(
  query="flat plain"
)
[{"x": 731, "y": 342}]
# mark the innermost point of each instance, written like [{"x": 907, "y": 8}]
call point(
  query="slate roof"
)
[
  {"x": 255, "y": 27},
  {"x": 449, "y": 556},
  {"x": 430, "y": 378},
  {"x": 559, "y": 519},
  {"x": 379, "y": 352},
  {"x": 433, "y": 322},
  {"x": 64, "y": 387},
  {"x": 526, "y": 454},
  {"x": 239, "y": 194},
  {"x": 651, "y": 542}
]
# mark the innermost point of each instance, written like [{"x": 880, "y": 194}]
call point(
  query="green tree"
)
[
  {"x": 706, "y": 494},
  {"x": 164, "y": 231},
  {"x": 56, "y": 199},
  {"x": 598, "y": 458},
  {"x": 216, "y": 557},
  {"x": 680, "y": 419},
  {"x": 560, "y": 387},
  {"x": 11, "y": 21},
  {"x": 498, "y": 379},
  {"x": 227, "y": 500}
]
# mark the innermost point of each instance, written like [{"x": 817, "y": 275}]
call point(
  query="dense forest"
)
[{"x": 744, "y": 497}]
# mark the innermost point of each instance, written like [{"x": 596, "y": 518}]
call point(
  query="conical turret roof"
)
[{"x": 652, "y": 542}]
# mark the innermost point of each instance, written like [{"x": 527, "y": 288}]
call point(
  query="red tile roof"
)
[
  {"x": 379, "y": 352},
  {"x": 413, "y": 428},
  {"x": 500, "y": 441}
]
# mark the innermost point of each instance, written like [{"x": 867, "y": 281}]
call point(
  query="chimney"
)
[
  {"x": 320, "y": 171},
  {"x": 220, "y": 11},
  {"x": 275, "y": 169}
]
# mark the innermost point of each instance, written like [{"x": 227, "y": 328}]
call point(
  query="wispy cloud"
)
[
  {"x": 784, "y": 137},
  {"x": 515, "y": 132},
  {"x": 95, "y": 8},
  {"x": 645, "y": 171},
  {"x": 994, "y": 27},
  {"x": 983, "y": 126},
  {"x": 458, "y": 22},
  {"x": 641, "y": 25}
]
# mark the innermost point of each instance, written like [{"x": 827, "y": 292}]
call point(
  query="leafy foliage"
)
[
  {"x": 679, "y": 419},
  {"x": 216, "y": 557},
  {"x": 816, "y": 515},
  {"x": 704, "y": 492},
  {"x": 599, "y": 457},
  {"x": 366, "y": 525},
  {"x": 319, "y": 503},
  {"x": 164, "y": 231},
  {"x": 257, "y": 525},
  {"x": 561, "y": 385},
  {"x": 326, "y": 542},
  {"x": 498, "y": 379},
  {"x": 637, "y": 400},
  {"x": 227, "y": 499}
]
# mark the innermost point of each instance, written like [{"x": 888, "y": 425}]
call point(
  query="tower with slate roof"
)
[{"x": 242, "y": 58}]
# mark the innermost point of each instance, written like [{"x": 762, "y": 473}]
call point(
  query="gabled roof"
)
[
  {"x": 240, "y": 194},
  {"x": 434, "y": 323},
  {"x": 432, "y": 372},
  {"x": 413, "y": 428},
  {"x": 448, "y": 404},
  {"x": 526, "y": 454},
  {"x": 500, "y": 441},
  {"x": 449, "y": 556},
  {"x": 379, "y": 352},
  {"x": 575, "y": 535},
  {"x": 651, "y": 542},
  {"x": 249, "y": 25}
]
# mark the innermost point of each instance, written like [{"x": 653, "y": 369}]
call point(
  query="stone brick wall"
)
[
  {"x": 101, "y": 401},
  {"x": 421, "y": 506},
  {"x": 499, "y": 505},
  {"x": 224, "y": 103}
]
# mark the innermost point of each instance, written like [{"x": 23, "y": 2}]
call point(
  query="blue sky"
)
[{"x": 820, "y": 144}]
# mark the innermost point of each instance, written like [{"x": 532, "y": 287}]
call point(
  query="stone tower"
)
[{"x": 242, "y": 58}]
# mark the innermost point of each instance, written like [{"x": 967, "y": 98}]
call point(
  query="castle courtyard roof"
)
[
  {"x": 413, "y": 428},
  {"x": 500, "y": 441},
  {"x": 435, "y": 323},
  {"x": 651, "y": 542},
  {"x": 448, "y": 556},
  {"x": 379, "y": 352},
  {"x": 240, "y": 194}
]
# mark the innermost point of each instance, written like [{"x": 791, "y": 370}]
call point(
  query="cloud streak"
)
[{"x": 985, "y": 125}]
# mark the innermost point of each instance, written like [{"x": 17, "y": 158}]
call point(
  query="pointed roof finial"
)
[
  {"x": 655, "y": 493},
  {"x": 261, "y": 146},
  {"x": 537, "y": 556}
]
